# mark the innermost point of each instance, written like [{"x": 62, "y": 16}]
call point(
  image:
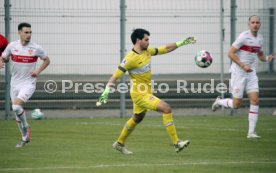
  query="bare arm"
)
[
  {"x": 234, "y": 58},
  {"x": 263, "y": 57},
  {"x": 111, "y": 82},
  {"x": 2, "y": 62},
  {"x": 41, "y": 68}
]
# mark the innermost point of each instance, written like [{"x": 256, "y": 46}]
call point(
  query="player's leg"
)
[
  {"x": 17, "y": 107},
  {"x": 24, "y": 93},
  {"x": 130, "y": 126},
  {"x": 237, "y": 86},
  {"x": 127, "y": 130},
  {"x": 138, "y": 115},
  {"x": 227, "y": 103},
  {"x": 253, "y": 95},
  {"x": 13, "y": 94},
  {"x": 141, "y": 103},
  {"x": 166, "y": 110},
  {"x": 20, "y": 125},
  {"x": 21, "y": 122},
  {"x": 253, "y": 114}
]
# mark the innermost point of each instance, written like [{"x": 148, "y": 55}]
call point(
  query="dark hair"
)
[
  {"x": 138, "y": 34},
  {"x": 22, "y": 25}
]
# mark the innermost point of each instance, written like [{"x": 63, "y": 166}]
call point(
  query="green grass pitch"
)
[{"x": 218, "y": 145}]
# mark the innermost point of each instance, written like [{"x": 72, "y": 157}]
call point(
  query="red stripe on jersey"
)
[
  {"x": 24, "y": 59},
  {"x": 252, "y": 49},
  {"x": 253, "y": 112}
]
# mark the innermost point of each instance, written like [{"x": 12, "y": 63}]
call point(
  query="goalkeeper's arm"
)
[
  {"x": 111, "y": 83},
  {"x": 104, "y": 96},
  {"x": 172, "y": 46}
]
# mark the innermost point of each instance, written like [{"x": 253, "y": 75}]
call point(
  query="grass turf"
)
[{"x": 218, "y": 145}]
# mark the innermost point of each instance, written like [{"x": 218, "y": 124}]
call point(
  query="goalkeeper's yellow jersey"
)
[{"x": 139, "y": 69}]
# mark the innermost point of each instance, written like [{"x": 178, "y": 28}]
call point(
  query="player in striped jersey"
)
[
  {"x": 244, "y": 53},
  {"x": 24, "y": 55}
]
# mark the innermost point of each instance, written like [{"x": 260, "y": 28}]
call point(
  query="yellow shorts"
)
[{"x": 144, "y": 102}]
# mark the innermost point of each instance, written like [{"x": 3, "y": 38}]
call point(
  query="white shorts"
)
[
  {"x": 241, "y": 82},
  {"x": 23, "y": 92}
]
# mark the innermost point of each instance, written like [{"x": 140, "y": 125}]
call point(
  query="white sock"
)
[
  {"x": 227, "y": 103},
  {"x": 253, "y": 118},
  {"x": 20, "y": 126},
  {"x": 23, "y": 119}
]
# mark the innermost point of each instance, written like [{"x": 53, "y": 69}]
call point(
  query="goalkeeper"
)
[{"x": 138, "y": 64}]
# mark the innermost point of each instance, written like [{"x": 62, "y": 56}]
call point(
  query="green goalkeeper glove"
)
[
  {"x": 103, "y": 98},
  {"x": 189, "y": 40}
]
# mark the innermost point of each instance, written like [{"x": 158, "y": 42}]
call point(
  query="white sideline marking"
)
[
  {"x": 151, "y": 125},
  {"x": 139, "y": 165},
  {"x": 179, "y": 127}
]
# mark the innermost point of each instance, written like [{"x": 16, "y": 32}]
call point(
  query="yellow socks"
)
[
  {"x": 170, "y": 127},
  {"x": 167, "y": 120},
  {"x": 128, "y": 128}
]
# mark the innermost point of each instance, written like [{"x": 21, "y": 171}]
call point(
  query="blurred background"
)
[{"x": 86, "y": 41}]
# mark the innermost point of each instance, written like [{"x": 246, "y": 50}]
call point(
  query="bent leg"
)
[
  {"x": 130, "y": 126},
  {"x": 168, "y": 120},
  {"x": 21, "y": 119},
  {"x": 237, "y": 102}
]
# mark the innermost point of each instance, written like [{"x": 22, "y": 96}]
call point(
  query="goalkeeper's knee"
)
[
  {"x": 18, "y": 109},
  {"x": 167, "y": 119},
  {"x": 138, "y": 117}
]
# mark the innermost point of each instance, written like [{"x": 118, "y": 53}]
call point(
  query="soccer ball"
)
[
  {"x": 203, "y": 59},
  {"x": 37, "y": 114}
]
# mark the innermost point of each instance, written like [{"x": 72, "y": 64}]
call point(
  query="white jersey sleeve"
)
[
  {"x": 40, "y": 52},
  {"x": 239, "y": 42}
]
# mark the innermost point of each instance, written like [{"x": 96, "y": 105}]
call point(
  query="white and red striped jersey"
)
[
  {"x": 248, "y": 46},
  {"x": 24, "y": 60}
]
